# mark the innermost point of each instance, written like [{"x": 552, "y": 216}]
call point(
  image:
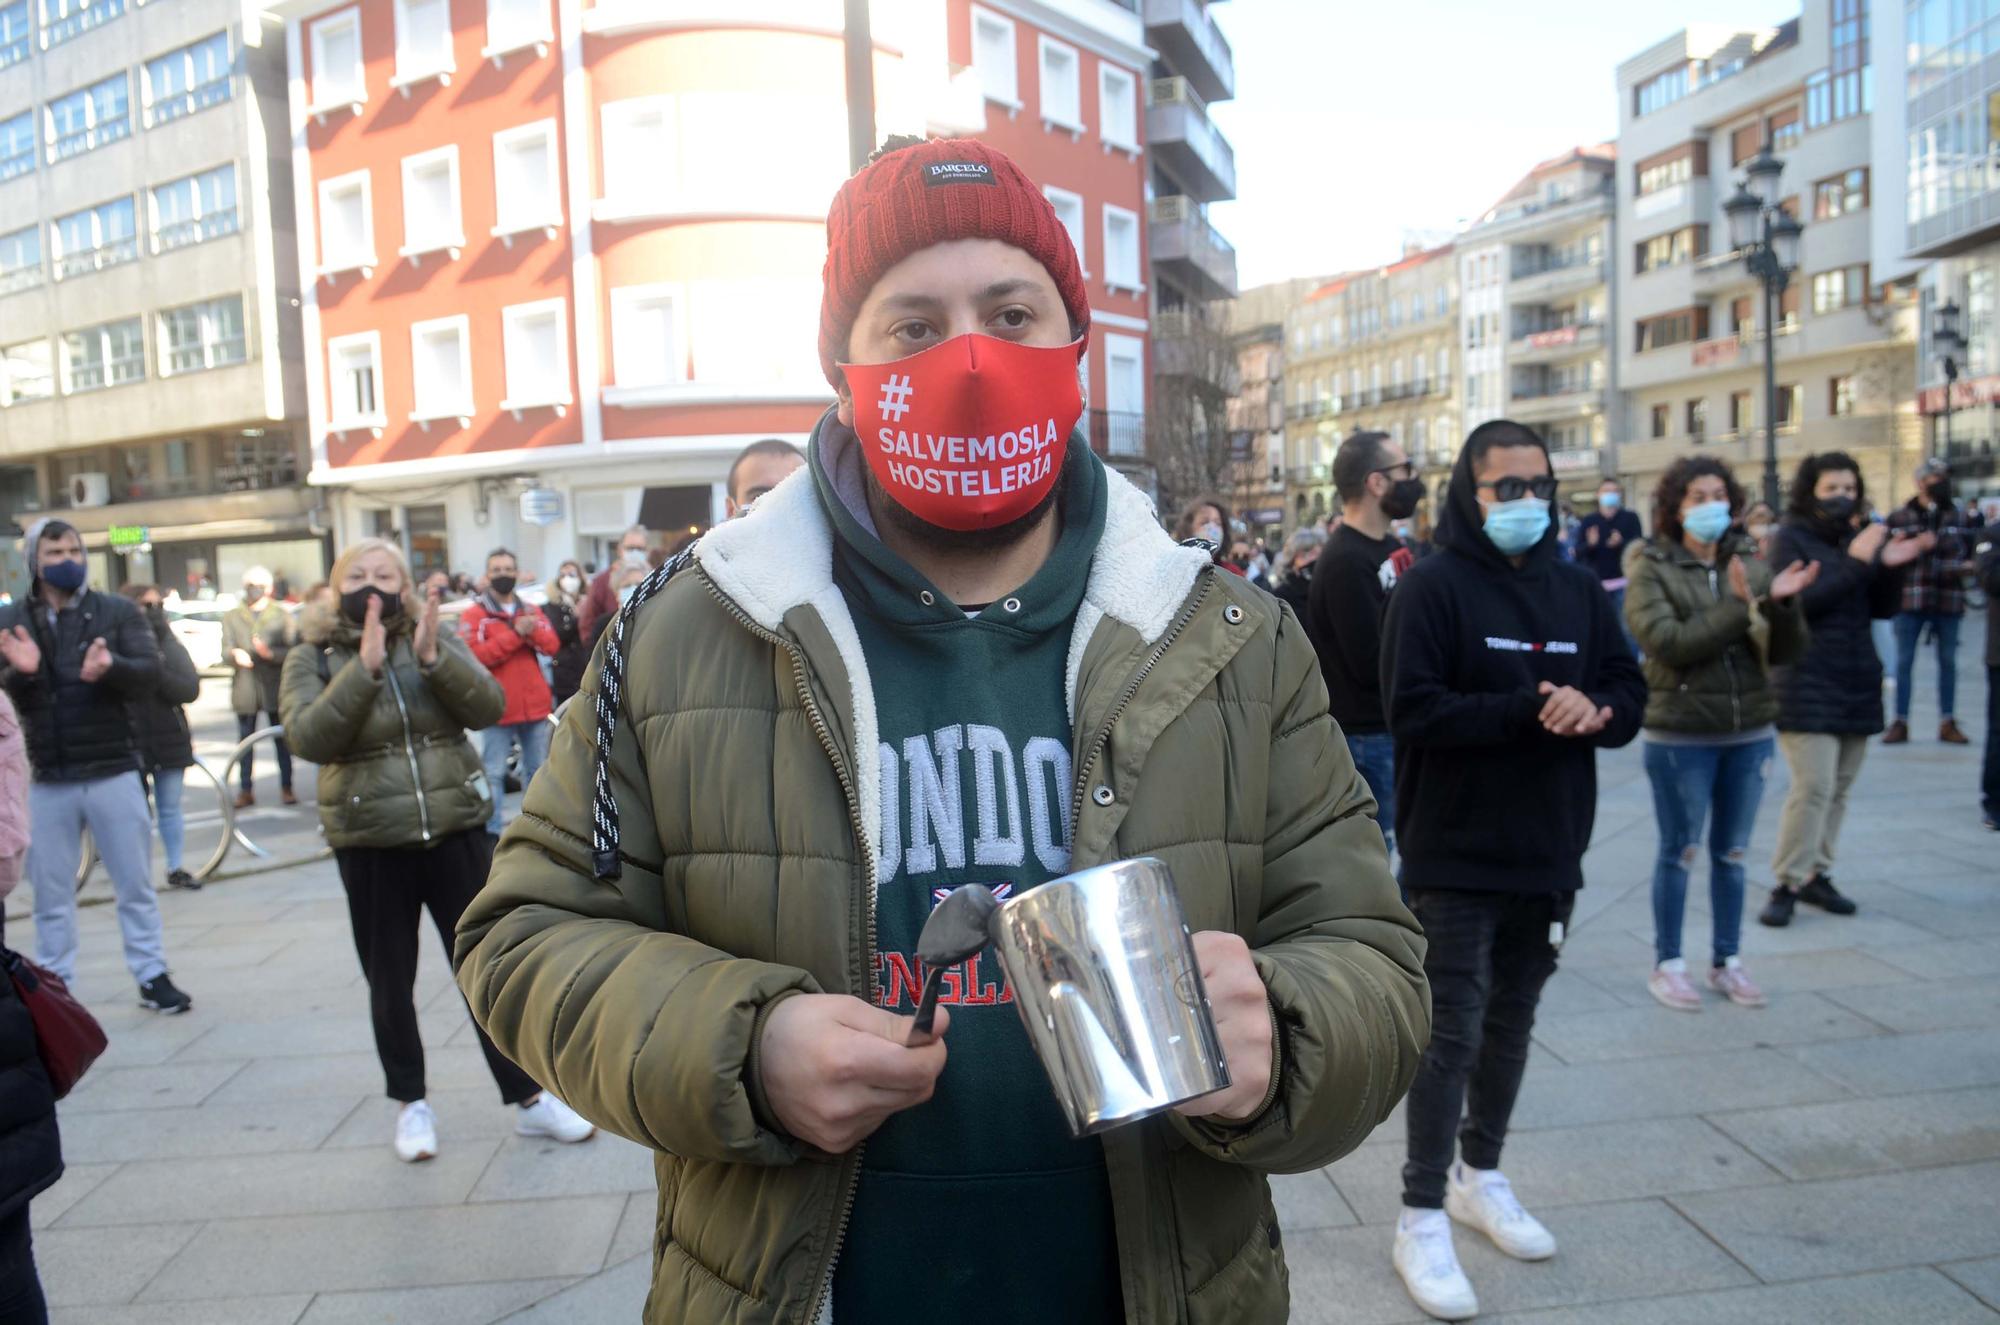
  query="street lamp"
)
[
  {"x": 1948, "y": 343},
  {"x": 1767, "y": 237}
]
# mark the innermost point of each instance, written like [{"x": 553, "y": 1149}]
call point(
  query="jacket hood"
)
[{"x": 1461, "y": 525}]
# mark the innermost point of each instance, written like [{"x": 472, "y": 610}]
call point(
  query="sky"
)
[{"x": 1357, "y": 121}]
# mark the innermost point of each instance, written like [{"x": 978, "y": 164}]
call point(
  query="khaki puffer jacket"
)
[
  {"x": 1708, "y": 654},
  {"x": 396, "y": 768},
  {"x": 745, "y": 771}
]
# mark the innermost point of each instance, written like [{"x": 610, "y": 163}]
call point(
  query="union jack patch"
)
[{"x": 1001, "y": 892}]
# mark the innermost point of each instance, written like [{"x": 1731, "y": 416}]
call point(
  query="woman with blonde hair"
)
[{"x": 381, "y": 699}]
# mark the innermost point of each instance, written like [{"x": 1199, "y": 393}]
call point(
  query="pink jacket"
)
[{"x": 13, "y": 793}]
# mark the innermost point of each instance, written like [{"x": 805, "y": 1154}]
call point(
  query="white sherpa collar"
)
[{"x": 780, "y": 556}]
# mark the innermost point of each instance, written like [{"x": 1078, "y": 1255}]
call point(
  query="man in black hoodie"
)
[{"x": 1504, "y": 670}]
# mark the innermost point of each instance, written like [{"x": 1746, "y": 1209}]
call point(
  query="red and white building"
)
[{"x": 573, "y": 247}]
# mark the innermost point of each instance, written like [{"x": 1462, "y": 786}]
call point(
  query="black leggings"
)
[
  {"x": 21, "y": 1301},
  {"x": 387, "y": 891}
]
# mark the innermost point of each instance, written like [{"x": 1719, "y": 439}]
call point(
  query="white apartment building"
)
[
  {"x": 150, "y": 383},
  {"x": 1536, "y": 310},
  {"x": 1693, "y": 110}
]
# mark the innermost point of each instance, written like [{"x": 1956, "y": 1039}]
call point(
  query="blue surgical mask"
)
[
  {"x": 67, "y": 576},
  {"x": 1610, "y": 501},
  {"x": 1516, "y": 526},
  {"x": 1707, "y": 522}
]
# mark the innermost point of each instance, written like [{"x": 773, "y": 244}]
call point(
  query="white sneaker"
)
[
  {"x": 416, "y": 1133},
  {"x": 1428, "y": 1263},
  {"x": 550, "y": 1117},
  {"x": 1483, "y": 1199}
]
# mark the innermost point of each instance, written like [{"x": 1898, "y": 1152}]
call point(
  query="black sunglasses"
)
[
  {"x": 1408, "y": 468},
  {"x": 1511, "y": 488}
]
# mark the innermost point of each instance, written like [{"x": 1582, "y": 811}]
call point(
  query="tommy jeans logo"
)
[
  {"x": 1502, "y": 644},
  {"x": 896, "y": 393},
  {"x": 958, "y": 172}
]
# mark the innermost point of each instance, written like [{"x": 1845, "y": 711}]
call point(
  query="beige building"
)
[
  {"x": 150, "y": 380},
  {"x": 1536, "y": 311},
  {"x": 1257, "y": 431},
  {"x": 1372, "y": 350},
  {"x": 1694, "y": 110}
]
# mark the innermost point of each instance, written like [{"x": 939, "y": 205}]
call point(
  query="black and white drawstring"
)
[{"x": 610, "y": 683}]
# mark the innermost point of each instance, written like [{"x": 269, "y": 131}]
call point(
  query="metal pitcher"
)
[{"x": 1105, "y": 977}]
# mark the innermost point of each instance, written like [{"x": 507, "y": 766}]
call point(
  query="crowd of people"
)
[{"x": 754, "y": 761}]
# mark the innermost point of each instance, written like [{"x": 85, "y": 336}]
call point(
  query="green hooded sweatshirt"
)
[{"x": 961, "y": 1192}]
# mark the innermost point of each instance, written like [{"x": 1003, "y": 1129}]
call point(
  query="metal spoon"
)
[{"x": 957, "y": 928}]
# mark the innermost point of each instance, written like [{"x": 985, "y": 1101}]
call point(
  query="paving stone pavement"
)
[{"x": 1833, "y": 1158}]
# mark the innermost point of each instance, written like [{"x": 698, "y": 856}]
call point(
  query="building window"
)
[
  {"x": 441, "y": 368},
  {"x": 1842, "y": 288},
  {"x": 513, "y": 24},
  {"x": 1840, "y": 396},
  {"x": 431, "y": 218},
  {"x": 1660, "y": 91},
  {"x": 993, "y": 57},
  {"x": 204, "y": 335},
  {"x": 94, "y": 238},
  {"x": 20, "y": 259},
  {"x": 1745, "y": 141},
  {"x": 1444, "y": 366},
  {"x": 1125, "y": 395},
  {"x": 1742, "y": 413},
  {"x": 194, "y": 208},
  {"x": 355, "y": 373},
  {"x": 63, "y": 19},
  {"x": 1841, "y": 194},
  {"x": 1675, "y": 328},
  {"x": 108, "y": 355},
  {"x": 663, "y": 156},
  {"x": 17, "y": 145},
  {"x": 249, "y": 464},
  {"x": 1662, "y": 420},
  {"x": 16, "y": 32},
  {"x": 1845, "y": 88},
  {"x": 27, "y": 372},
  {"x": 1697, "y": 419},
  {"x": 337, "y": 76},
  {"x": 423, "y": 40},
  {"x": 1678, "y": 166},
  {"x": 537, "y": 361},
  {"x": 89, "y": 118},
  {"x": 1117, "y": 106},
  {"x": 190, "y": 79},
  {"x": 648, "y": 338},
  {"x": 1121, "y": 249},
  {"x": 1672, "y": 249},
  {"x": 1791, "y": 405},
  {"x": 1062, "y": 85},
  {"x": 1069, "y": 210},
  {"x": 346, "y": 224},
  {"x": 525, "y": 193},
  {"x": 1785, "y": 129}
]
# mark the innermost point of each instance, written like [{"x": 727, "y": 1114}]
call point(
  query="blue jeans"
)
[
  {"x": 167, "y": 783},
  {"x": 1375, "y": 759},
  {"x": 495, "y": 743},
  {"x": 1909, "y": 629},
  {"x": 1617, "y": 597},
  {"x": 1691, "y": 782}
]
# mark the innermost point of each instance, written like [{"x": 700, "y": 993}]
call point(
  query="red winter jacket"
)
[{"x": 489, "y": 629}]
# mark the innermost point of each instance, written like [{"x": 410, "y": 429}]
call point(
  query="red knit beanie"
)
[{"x": 931, "y": 193}]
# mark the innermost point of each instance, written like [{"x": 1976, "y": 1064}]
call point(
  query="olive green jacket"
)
[
  {"x": 1708, "y": 654},
  {"x": 396, "y": 768},
  {"x": 746, "y": 774},
  {"x": 254, "y": 689}
]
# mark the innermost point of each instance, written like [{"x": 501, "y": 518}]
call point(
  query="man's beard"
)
[{"x": 887, "y": 510}]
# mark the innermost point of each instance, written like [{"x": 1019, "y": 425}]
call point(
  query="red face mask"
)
[{"x": 969, "y": 434}]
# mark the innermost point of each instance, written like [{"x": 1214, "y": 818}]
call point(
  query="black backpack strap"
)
[{"x": 610, "y": 686}]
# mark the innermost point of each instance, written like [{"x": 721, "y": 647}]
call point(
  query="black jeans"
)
[
  {"x": 1488, "y": 959},
  {"x": 387, "y": 891},
  {"x": 1989, "y": 781},
  {"x": 21, "y": 1301},
  {"x": 247, "y": 723}
]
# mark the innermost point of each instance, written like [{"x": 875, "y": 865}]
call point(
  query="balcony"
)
[
  {"x": 1577, "y": 460},
  {"x": 1690, "y": 198},
  {"x": 195, "y": 230},
  {"x": 89, "y": 260},
  {"x": 1190, "y": 44},
  {"x": 1183, "y": 138},
  {"x": 1114, "y": 434},
  {"x": 1185, "y": 246},
  {"x": 1557, "y": 343},
  {"x": 1538, "y": 405},
  {"x": 1535, "y": 284},
  {"x": 1721, "y": 271}
]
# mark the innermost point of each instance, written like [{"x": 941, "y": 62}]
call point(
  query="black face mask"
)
[
  {"x": 354, "y": 603},
  {"x": 157, "y": 615},
  {"x": 1400, "y": 501},
  {"x": 1834, "y": 512},
  {"x": 502, "y": 585},
  {"x": 1940, "y": 490}
]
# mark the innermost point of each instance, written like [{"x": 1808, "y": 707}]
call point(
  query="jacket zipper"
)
[
  {"x": 820, "y": 729},
  {"x": 1103, "y": 736},
  {"x": 1728, "y": 662},
  {"x": 409, "y": 749}
]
